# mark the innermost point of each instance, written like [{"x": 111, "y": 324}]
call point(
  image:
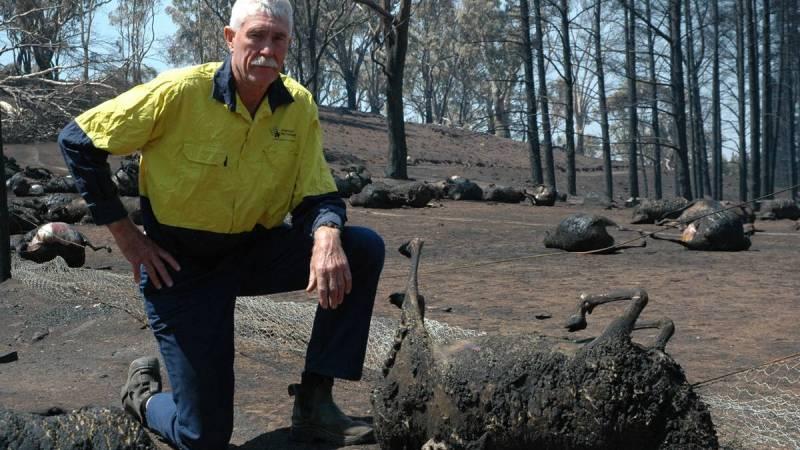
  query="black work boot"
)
[
  {"x": 316, "y": 417},
  {"x": 144, "y": 381}
]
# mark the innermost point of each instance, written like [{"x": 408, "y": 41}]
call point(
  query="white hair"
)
[{"x": 242, "y": 9}]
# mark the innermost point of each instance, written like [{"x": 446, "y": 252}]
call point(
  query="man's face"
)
[{"x": 258, "y": 50}]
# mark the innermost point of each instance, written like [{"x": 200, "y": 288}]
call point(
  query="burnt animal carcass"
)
[
  {"x": 380, "y": 195},
  {"x": 650, "y": 211},
  {"x": 353, "y": 181},
  {"x": 719, "y": 231},
  {"x": 542, "y": 195},
  {"x": 779, "y": 209},
  {"x": 460, "y": 188},
  {"x": 503, "y": 194},
  {"x": 581, "y": 232},
  {"x": 126, "y": 178},
  {"x": 82, "y": 429},
  {"x": 56, "y": 239},
  {"x": 529, "y": 391}
]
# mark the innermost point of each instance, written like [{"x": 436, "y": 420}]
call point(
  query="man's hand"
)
[
  {"x": 329, "y": 273},
  {"x": 139, "y": 249}
]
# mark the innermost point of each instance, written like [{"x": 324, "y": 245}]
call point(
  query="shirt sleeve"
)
[
  {"x": 89, "y": 168},
  {"x": 315, "y": 199},
  {"x": 118, "y": 126}
]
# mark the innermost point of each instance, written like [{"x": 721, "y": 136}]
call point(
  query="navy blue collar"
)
[{"x": 224, "y": 89}]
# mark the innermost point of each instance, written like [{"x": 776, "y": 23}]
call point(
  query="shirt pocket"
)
[{"x": 203, "y": 177}]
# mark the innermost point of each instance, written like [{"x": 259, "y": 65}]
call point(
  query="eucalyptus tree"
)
[
  {"x": 86, "y": 13},
  {"x": 567, "y": 75},
  {"x": 716, "y": 110},
  {"x": 316, "y": 22},
  {"x": 755, "y": 114},
  {"x": 394, "y": 18},
  {"x": 693, "y": 64},
  {"x": 633, "y": 118},
  {"x": 348, "y": 51},
  {"x": 433, "y": 68},
  {"x": 601, "y": 94},
  {"x": 742, "y": 109},
  {"x": 134, "y": 21},
  {"x": 767, "y": 113},
  {"x": 5, "y": 247},
  {"x": 198, "y": 35},
  {"x": 37, "y": 31},
  {"x": 683, "y": 184},
  {"x": 547, "y": 134},
  {"x": 488, "y": 32},
  {"x": 532, "y": 128},
  {"x": 654, "y": 112}
]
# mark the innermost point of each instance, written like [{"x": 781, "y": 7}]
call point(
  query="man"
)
[{"x": 228, "y": 149}]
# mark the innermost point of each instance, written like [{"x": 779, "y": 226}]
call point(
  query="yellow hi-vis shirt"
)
[{"x": 206, "y": 164}]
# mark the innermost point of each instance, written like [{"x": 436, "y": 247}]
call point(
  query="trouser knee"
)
[{"x": 365, "y": 250}]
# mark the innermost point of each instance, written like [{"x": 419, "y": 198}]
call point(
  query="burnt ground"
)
[{"x": 484, "y": 267}]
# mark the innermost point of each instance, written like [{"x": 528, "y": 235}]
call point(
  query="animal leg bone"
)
[{"x": 622, "y": 325}]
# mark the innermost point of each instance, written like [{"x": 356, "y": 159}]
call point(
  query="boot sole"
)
[{"x": 312, "y": 434}]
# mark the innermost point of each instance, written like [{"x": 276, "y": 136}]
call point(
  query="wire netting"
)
[{"x": 753, "y": 409}]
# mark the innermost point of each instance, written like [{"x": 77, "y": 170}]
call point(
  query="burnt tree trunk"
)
[
  {"x": 633, "y": 118},
  {"x": 534, "y": 151},
  {"x": 395, "y": 35},
  {"x": 678, "y": 99},
  {"x": 742, "y": 111},
  {"x": 656, "y": 132},
  {"x": 569, "y": 119},
  {"x": 755, "y": 115},
  {"x": 601, "y": 92},
  {"x": 703, "y": 185},
  {"x": 5, "y": 246},
  {"x": 767, "y": 113},
  {"x": 716, "y": 113},
  {"x": 547, "y": 134}
]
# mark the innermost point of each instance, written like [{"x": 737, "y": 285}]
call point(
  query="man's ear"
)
[{"x": 229, "y": 34}]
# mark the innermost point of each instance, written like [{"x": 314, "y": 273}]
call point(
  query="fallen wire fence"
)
[{"x": 752, "y": 409}]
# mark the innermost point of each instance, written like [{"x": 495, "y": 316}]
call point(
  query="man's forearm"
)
[{"x": 89, "y": 166}]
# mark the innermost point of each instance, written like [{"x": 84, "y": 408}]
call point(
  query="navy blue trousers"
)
[{"x": 193, "y": 324}]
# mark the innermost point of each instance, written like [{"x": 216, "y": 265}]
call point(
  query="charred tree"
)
[
  {"x": 530, "y": 95},
  {"x": 633, "y": 118},
  {"x": 5, "y": 246},
  {"x": 755, "y": 115},
  {"x": 547, "y": 133},
  {"x": 703, "y": 185},
  {"x": 601, "y": 92},
  {"x": 767, "y": 113},
  {"x": 678, "y": 99},
  {"x": 656, "y": 128},
  {"x": 395, "y": 42},
  {"x": 742, "y": 111},
  {"x": 716, "y": 114},
  {"x": 569, "y": 119}
]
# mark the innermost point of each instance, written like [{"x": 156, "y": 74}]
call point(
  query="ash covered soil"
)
[{"x": 484, "y": 268}]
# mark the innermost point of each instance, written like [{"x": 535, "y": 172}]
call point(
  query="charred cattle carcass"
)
[
  {"x": 525, "y": 392},
  {"x": 56, "y": 239},
  {"x": 720, "y": 231},
  {"x": 779, "y": 209},
  {"x": 83, "y": 429},
  {"x": 581, "y": 232},
  {"x": 542, "y": 195},
  {"x": 650, "y": 211}
]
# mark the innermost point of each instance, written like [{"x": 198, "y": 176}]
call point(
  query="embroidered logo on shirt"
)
[{"x": 283, "y": 134}]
